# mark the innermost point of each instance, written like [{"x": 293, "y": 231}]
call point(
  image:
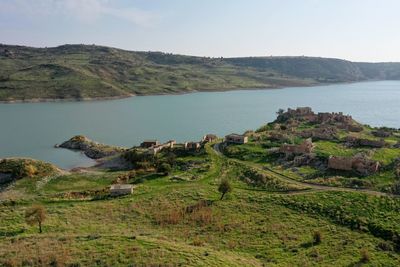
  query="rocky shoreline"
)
[{"x": 90, "y": 148}]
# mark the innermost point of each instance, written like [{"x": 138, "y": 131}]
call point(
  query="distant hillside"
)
[{"x": 88, "y": 71}]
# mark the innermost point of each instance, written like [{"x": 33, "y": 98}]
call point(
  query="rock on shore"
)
[{"x": 90, "y": 148}]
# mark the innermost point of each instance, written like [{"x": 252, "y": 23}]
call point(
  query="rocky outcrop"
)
[
  {"x": 17, "y": 168},
  {"x": 305, "y": 160},
  {"x": 90, "y": 148}
]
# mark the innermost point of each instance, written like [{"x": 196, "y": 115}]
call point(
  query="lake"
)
[{"x": 32, "y": 129}]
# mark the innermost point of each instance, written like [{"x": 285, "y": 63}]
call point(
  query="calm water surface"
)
[{"x": 31, "y": 130}]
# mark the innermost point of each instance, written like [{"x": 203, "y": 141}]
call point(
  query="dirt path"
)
[{"x": 314, "y": 187}]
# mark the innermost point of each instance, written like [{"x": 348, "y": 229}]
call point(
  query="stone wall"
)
[{"x": 340, "y": 163}]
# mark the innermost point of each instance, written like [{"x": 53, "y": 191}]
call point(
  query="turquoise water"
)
[{"x": 31, "y": 130}]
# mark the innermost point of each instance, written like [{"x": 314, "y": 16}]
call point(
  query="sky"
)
[{"x": 357, "y": 30}]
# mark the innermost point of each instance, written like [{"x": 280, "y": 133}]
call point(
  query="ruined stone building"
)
[
  {"x": 340, "y": 163},
  {"x": 304, "y": 148},
  {"x": 192, "y": 145},
  {"x": 121, "y": 189},
  {"x": 149, "y": 143},
  {"x": 360, "y": 164},
  {"x": 209, "y": 138},
  {"x": 236, "y": 139}
]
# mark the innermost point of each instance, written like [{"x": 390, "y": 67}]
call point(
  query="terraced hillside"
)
[{"x": 88, "y": 71}]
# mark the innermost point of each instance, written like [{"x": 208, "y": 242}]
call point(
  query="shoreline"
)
[
  {"x": 55, "y": 100},
  {"x": 93, "y": 99}
]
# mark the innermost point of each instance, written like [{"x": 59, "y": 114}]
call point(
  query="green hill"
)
[{"x": 89, "y": 71}]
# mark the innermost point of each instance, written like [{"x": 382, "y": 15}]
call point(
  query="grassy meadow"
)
[{"x": 183, "y": 222}]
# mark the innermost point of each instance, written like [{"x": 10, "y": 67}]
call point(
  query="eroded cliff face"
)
[{"x": 90, "y": 148}]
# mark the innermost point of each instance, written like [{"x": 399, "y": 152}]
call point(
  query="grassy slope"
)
[
  {"x": 81, "y": 71},
  {"x": 251, "y": 227}
]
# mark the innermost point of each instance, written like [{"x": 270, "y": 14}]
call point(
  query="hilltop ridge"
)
[{"x": 82, "y": 72}]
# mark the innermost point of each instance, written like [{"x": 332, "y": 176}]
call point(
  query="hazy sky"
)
[{"x": 359, "y": 30}]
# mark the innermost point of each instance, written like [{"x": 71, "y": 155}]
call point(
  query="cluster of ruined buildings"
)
[
  {"x": 327, "y": 125},
  {"x": 154, "y": 146},
  {"x": 324, "y": 119},
  {"x": 302, "y": 154}
]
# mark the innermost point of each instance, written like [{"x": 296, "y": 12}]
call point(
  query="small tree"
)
[
  {"x": 224, "y": 187},
  {"x": 35, "y": 215}
]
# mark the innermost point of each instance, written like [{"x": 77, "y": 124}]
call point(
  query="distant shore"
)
[
  {"x": 43, "y": 100},
  {"x": 87, "y": 99}
]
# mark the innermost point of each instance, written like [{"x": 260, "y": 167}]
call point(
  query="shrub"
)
[
  {"x": 365, "y": 257},
  {"x": 385, "y": 246},
  {"x": 29, "y": 170},
  {"x": 164, "y": 168},
  {"x": 317, "y": 237},
  {"x": 395, "y": 189}
]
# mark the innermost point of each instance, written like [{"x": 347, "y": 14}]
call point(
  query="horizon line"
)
[{"x": 198, "y": 56}]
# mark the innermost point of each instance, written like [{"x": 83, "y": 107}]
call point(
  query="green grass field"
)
[{"x": 252, "y": 226}]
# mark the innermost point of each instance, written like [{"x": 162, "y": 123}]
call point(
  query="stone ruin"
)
[
  {"x": 333, "y": 118},
  {"x": 280, "y": 137},
  {"x": 301, "y": 113},
  {"x": 306, "y": 114},
  {"x": 320, "y": 133},
  {"x": 381, "y": 133},
  {"x": 304, "y": 148},
  {"x": 359, "y": 164},
  {"x": 352, "y": 141}
]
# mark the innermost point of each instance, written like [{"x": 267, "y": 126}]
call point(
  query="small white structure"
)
[{"x": 121, "y": 189}]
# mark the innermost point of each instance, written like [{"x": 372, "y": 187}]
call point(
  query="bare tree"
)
[{"x": 35, "y": 215}]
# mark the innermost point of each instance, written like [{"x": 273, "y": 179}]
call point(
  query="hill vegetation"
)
[
  {"x": 220, "y": 204},
  {"x": 88, "y": 71}
]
